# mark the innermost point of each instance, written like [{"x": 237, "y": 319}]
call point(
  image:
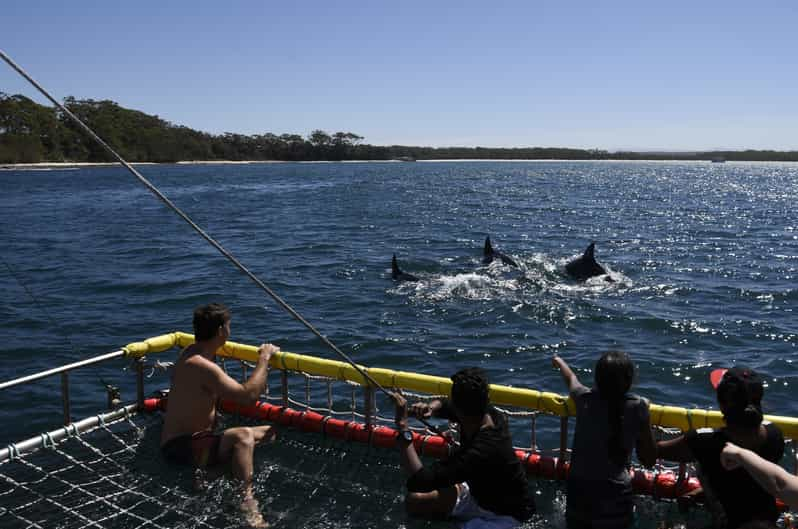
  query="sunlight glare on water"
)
[{"x": 703, "y": 257}]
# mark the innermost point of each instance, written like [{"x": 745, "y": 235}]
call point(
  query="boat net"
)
[{"x": 332, "y": 466}]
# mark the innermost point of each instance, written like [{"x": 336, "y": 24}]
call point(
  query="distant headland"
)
[{"x": 31, "y": 133}]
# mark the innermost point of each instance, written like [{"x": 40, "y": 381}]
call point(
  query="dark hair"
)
[
  {"x": 614, "y": 374},
  {"x": 470, "y": 391},
  {"x": 208, "y": 319},
  {"x": 740, "y": 394}
]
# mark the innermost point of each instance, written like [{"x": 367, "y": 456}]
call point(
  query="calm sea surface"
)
[{"x": 705, "y": 258}]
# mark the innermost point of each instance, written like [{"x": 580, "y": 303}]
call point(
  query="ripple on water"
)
[{"x": 703, "y": 258}]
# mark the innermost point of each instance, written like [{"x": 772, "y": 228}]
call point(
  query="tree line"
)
[{"x": 31, "y": 133}]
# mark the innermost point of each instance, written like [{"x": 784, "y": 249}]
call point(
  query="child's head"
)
[
  {"x": 740, "y": 397},
  {"x": 614, "y": 374}
]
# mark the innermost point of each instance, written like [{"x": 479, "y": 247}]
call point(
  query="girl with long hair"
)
[{"x": 610, "y": 423}]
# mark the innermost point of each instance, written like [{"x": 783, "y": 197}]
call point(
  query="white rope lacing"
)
[{"x": 95, "y": 489}]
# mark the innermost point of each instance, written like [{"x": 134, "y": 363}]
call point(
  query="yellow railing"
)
[{"x": 553, "y": 403}]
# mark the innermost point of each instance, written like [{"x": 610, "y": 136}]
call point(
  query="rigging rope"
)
[{"x": 155, "y": 191}]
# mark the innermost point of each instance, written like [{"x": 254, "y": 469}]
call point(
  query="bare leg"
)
[{"x": 237, "y": 444}]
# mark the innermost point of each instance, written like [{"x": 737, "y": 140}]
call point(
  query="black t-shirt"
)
[
  {"x": 738, "y": 493},
  {"x": 490, "y": 467}
]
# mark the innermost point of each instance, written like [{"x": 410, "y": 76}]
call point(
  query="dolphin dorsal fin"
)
[
  {"x": 488, "y": 247},
  {"x": 395, "y": 266},
  {"x": 589, "y": 252}
]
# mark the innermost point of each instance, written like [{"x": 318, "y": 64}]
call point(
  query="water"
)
[{"x": 704, "y": 256}]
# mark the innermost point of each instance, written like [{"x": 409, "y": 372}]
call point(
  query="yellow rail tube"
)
[{"x": 547, "y": 402}]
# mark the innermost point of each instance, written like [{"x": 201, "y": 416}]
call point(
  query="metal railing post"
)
[
  {"x": 65, "y": 397},
  {"x": 563, "y": 438},
  {"x": 140, "y": 382},
  {"x": 369, "y": 405},
  {"x": 284, "y": 386},
  {"x": 113, "y": 397}
]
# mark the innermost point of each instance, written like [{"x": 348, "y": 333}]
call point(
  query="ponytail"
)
[
  {"x": 615, "y": 449},
  {"x": 749, "y": 417},
  {"x": 614, "y": 374}
]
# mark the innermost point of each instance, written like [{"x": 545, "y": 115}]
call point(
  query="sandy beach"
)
[{"x": 40, "y": 166}]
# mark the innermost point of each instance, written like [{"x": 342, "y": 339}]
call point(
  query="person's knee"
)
[{"x": 245, "y": 439}]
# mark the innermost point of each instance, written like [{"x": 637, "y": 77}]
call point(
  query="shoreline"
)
[{"x": 80, "y": 165}]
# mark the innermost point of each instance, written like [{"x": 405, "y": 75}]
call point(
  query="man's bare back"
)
[
  {"x": 192, "y": 405},
  {"x": 197, "y": 383}
]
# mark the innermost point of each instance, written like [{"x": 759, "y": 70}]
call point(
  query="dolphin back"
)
[
  {"x": 585, "y": 266},
  {"x": 487, "y": 252},
  {"x": 397, "y": 274}
]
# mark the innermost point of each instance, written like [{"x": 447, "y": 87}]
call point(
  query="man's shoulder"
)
[
  {"x": 197, "y": 360},
  {"x": 197, "y": 363}
]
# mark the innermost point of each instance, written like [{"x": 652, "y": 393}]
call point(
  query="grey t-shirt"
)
[{"x": 590, "y": 456}]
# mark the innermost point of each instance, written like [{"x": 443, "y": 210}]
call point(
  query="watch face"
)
[{"x": 408, "y": 436}]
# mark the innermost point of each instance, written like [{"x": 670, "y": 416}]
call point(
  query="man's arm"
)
[
  {"x": 771, "y": 477},
  {"x": 225, "y": 387}
]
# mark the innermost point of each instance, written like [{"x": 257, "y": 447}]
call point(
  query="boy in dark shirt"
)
[{"x": 482, "y": 484}]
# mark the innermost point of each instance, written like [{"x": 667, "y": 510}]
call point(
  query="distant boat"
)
[
  {"x": 719, "y": 159},
  {"x": 405, "y": 159}
]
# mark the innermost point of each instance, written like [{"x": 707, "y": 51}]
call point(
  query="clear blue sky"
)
[{"x": 611, "y": 75}]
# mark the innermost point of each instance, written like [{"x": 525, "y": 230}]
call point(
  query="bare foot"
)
[
  {"x": 198, "y": 482},
  {"x": 251, "y": 511}
]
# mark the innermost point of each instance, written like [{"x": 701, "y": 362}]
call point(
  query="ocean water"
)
[{"x": 704, "y": 257}]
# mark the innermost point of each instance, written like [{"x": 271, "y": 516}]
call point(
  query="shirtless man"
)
[{"x": 198, "y": 382}]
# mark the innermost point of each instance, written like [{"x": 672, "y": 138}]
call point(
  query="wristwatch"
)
[{"x": 406, "y": 436}]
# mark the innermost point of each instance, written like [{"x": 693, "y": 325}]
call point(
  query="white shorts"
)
[{"x": 470, "y": 515}]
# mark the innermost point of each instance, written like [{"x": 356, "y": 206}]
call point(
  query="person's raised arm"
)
[
  {"x": 247, "y": 393},
  {"x": 770, "y": 476},
  {"x": 568, "y": 376}
]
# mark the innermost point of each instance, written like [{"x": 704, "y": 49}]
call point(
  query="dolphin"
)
[
  {"x": 398, "y": 275},
  {"x": 488, "y": 254},
  {"x": 585, "y": 266}
]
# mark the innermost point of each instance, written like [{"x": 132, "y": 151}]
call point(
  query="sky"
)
[{"x": 614, "y": 75}]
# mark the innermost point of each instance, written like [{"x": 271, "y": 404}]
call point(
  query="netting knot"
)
[
  {"x": 13, "y": 452},
  {"x": 47, "y": 440},
  {"x": 160, "y": 366}
]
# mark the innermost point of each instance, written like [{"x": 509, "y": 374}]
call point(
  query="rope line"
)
[{"x": 155, "y": 191}]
